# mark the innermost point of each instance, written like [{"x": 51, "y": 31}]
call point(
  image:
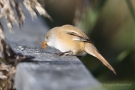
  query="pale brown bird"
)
[{"x": 70, "y": 40}]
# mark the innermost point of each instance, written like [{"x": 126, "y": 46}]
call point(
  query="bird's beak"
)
[{"x": 43, "y": 45}]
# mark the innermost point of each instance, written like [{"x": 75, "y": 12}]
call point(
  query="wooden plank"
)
[{"x": 53, "y": 72}]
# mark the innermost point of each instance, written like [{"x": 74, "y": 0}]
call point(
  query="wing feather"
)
[{"x": 79, "y": 37}]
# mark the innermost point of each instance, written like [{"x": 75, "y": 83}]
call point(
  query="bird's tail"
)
[{"x": 91, "y": 49}]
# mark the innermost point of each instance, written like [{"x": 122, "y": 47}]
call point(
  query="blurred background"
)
[{"x": 111, "y": 26}]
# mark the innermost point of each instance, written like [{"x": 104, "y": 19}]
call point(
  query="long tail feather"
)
[{"x": 91, "y": 49}]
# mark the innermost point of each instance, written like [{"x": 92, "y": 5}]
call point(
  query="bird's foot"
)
[{"x": 67, "y": 53}]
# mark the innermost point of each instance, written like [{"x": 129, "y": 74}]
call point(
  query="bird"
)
[{"x": 71, "y": 40}]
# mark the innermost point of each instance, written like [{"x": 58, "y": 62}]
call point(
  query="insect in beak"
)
[{"x": 43, "y": 45}]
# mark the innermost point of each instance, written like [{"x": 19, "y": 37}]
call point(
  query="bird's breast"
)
[{"x": 55, "y": 42}]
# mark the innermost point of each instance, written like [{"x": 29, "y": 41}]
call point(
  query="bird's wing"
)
[{"x": 79, "y": 37}]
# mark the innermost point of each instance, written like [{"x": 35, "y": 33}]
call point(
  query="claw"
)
[{"x": 68, "y": 53}]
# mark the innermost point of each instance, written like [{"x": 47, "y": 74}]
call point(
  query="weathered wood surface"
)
[
  {"x": 49, "y": 71},
  {"x": 52, "y": 72}
]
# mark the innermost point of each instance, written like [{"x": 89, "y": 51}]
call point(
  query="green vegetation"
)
[{"x": 111, "y": 25}]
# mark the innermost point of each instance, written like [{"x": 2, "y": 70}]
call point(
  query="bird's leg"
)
[{"x": 67, "y": 53}]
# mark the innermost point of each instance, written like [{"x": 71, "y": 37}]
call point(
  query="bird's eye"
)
[{"x": 46, "y": 38}]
